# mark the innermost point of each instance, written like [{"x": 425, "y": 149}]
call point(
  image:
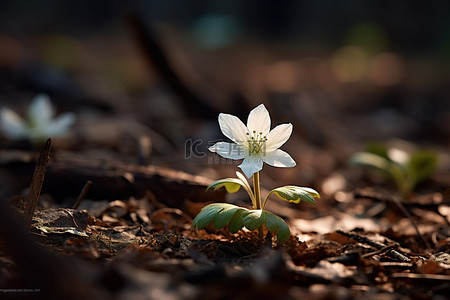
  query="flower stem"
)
[{"x": 256, "y": 189}]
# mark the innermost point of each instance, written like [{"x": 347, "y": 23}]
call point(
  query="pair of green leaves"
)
[
  {"x": 406, "y": 169},
  {"x": 290, "y": 193},
  {"x": 222, "y": 214}
]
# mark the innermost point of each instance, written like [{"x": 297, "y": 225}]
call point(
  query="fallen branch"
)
[{"x": 112, "y": 180}]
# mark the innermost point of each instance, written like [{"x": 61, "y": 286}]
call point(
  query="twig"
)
[
  {"x": 394, "y": 264},
  {"x": 362, "y": 239},
  {"x": 36, "y": 183},
  {"x": 411, "y": 220},
  {"x": 82, "y": 194},
  {"x": 380, "y": 251}
]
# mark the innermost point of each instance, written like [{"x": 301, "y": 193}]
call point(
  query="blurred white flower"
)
[
  {"x": 39, "y": 124},
  {"x": 255, "y": 143}
]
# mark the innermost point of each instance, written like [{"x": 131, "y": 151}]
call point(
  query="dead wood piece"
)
[
  {"x": 112, "y": 180},
  {"x": 362, "y": 239},
  {"x": 36, "y": 183}
]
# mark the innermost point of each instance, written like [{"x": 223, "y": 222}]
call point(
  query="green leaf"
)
[
  {"x": 237, "y": 217},
  {"x": 224, "y": 216},
  {"x": 277, "y": 225},
  {"x": 296, "y": 194},
  {"x": 221, "y": 214},
  {"x": 254, "y": 218},
  {"x": 207, "y": 214},
  {"x": 422, "y": 164},
  {"x": 257, "y": 217},
  {"x": 236, "y": 222},
  {"x": 372, "y": 160},
  {"x": 232, "y": 185}
]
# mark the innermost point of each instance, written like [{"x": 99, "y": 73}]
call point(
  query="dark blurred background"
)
[{"x": 343, "y": 72}]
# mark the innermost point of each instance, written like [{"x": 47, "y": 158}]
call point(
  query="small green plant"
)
[
  {"x": 39, "y": 123},
  {"x": 256, "y": 144},
  {"x": 405, "y": 169}
]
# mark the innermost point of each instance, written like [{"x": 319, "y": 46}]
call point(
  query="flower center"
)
[{"x": 256, "y": 142}]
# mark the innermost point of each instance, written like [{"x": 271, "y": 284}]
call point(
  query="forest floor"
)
[
  {"x": 353, "y": 244},
  {"x": 113, "y": 218}
]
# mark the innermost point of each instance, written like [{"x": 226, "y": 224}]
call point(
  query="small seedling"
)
[
  {"x": 405, "y": 169},
  {"x": 256, "y": 144},
  {"x": 39, "y": 124}
]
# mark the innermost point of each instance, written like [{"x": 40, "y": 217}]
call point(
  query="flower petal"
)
[
  {"x": 278, "y": 136},
  {"x": 60, "y": 125},
  {"x": 12, "y": 125},
  {"x": 40, "y": 111},
  {"x": 259, "y": 120},
  {"x": 233, "y": 128},
  {"x": 251, "y": 165},
  {"x": 279, "y": 158},
  {"x": 228, "y": 150}
]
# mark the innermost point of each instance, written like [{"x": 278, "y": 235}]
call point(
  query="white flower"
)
[
  {"x": 255, "y": 143},
  {"x": 39, "y": 124}
]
